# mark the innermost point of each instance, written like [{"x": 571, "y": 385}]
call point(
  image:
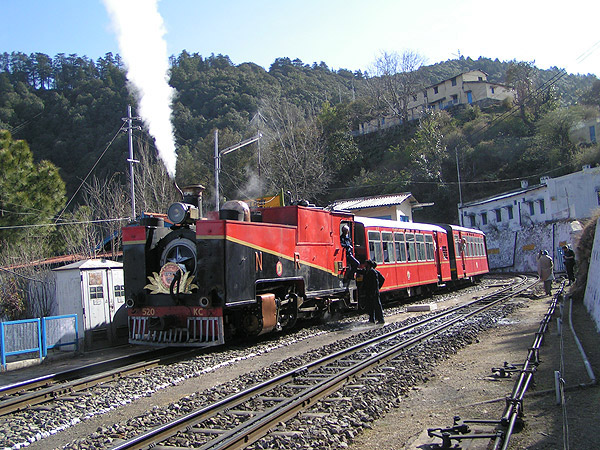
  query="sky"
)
[{"x": 345, "y": 34}]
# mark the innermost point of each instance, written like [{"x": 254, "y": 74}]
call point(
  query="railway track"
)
[
  {"x": 23, "y": 395},
  {"x": 243, "y": 418}
]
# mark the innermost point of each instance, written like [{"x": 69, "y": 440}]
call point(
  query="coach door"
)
[
  {"x": 435, "y": 243},
  {"x": 339, "y": 257},
  {"x": 461, "y": 247}
]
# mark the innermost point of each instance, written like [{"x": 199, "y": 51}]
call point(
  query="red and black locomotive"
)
[{"x": 246, "y": 273}]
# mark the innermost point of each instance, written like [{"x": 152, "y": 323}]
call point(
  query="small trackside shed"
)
[{"x": 94, "y": 290}]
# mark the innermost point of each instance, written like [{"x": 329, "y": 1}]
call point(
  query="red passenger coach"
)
[
  {"x": 411, "y": 256},
  {"x": 468, "y": 254}
]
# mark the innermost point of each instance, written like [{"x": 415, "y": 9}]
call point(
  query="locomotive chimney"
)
[{"x": 193, "y": 195}]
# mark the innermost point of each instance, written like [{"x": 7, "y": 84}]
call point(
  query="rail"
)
[
  {"x": 20, "y": 396},
  {"x": 259, "y": 408},
  {"x": 513, "y": 411}
]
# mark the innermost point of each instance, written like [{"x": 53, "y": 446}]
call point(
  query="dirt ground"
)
[{"x": 464, "y": 386}]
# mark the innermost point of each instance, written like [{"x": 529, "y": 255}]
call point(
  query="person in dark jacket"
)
[
  {"x": 372, "y": 281},
  {"x": 346, "y": 242},
  {"x": 569, "y": 261}
]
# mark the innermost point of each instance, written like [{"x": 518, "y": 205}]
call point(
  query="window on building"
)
[
  {"x": 454, "y": 81},
  {"x": 455, "y": 99},
  {"x": 510, "y": 212},
  {"x": 435, "y": 90},
  {"x": 593, "y": 134},
  {"x": 472, "y": 217},
  {"x": 96, "y": 292},
  {"x": 542, "y": 207},
  {"x": 492, "y": 90},
  {"x": 531, "y": 208},
  {"x": 425, "y": 94},
  {"x": 498, "y": 215},
  {"x": 598, "y": 195},
  {"x": 480, "y": 78},
  {"x": 484, "y": 218},
  {"x": 119, "y": 291}
]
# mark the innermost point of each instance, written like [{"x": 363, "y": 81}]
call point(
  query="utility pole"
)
[
  {"x": 129, "y": 119},
  {"x": 218, "y": 155},
  {"x": 217, "y": 170},
  {"x": 460, "y": 219}
]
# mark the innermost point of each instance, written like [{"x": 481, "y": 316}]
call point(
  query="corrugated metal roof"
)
[
  {"x": 502, "y": 196},
  {"x": 372, "y": 202},
  {"x": 92, "y": 264}
]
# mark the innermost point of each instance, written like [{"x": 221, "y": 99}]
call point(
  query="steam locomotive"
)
[{"x": 239, "y": 272}]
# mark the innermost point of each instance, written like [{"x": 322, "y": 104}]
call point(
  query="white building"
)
[
  {"x": 392, "y": 207},
  {"x": 520, "y": 223},
  {"x": 573, "y": 196}
]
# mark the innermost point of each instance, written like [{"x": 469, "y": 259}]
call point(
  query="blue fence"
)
[{"x": 19, "y": 337}]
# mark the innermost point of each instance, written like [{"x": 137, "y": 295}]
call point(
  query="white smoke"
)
[{"x": 140, "y": 30}]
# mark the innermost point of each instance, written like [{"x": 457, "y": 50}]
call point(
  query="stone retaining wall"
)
[
  {"x": 517, "y": 251},
  {"x": 592, "y": 290}
]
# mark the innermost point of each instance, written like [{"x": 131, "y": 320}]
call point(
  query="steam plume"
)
[{"x": 140, "y": 30}]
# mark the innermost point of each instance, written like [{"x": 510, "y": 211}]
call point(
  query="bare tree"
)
[
  {"x": 79, "y": 233},
  {"x": 523, "y": 76},
  {"x": 396, "y": 80},
  {"x": 294, "y": 152},
  {"x": 27, "y": 286},
  {"x": 154, "y": 189}
]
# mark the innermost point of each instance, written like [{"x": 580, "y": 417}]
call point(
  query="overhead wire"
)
[
  {"x": 89, "y": 172},
  {"x": 78, "y": 222}
]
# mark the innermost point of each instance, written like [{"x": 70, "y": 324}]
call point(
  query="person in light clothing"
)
[{"x": 545, "y": 267}]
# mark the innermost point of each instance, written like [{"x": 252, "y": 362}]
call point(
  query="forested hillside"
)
[{"x": 69, "y": 109}]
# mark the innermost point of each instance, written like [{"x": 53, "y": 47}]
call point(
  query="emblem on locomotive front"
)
[{"x": 160, "y": 283}]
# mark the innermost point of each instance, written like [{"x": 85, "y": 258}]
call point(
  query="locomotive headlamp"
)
[{"x": 182, "y": 212}]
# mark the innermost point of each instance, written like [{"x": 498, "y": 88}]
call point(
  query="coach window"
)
[
  {"x": 388, "y": 247},
  {"x": 400, "y": 247},
  {"x": 429, "y": 247},
  {"x": 375, "y": 246},
  {"x": 420, "y": 247},
  {"x": 457, "y": 246},
  {"x": 410, "y": 247}
]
